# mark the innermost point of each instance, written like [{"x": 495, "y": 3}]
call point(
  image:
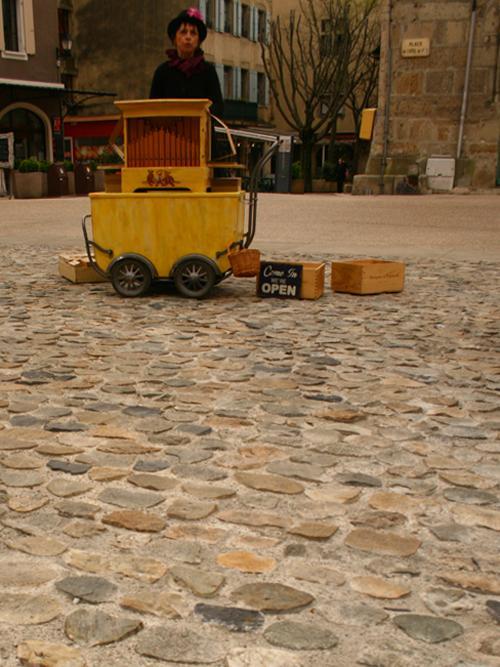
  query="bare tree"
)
[{"x": 310, "y": 61}]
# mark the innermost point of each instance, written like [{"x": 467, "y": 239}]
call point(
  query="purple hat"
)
[{"x": 192, "y": 16}]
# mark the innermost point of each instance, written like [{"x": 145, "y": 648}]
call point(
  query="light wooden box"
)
[
  {"x": 367, "y": 276},
  {"x": 313, "y": 280},
  {"x": 77, "y": 269}
]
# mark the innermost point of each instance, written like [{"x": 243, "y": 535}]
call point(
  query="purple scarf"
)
[{"x": 187, "y": 66}]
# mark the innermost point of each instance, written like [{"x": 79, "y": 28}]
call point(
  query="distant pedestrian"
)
[{"x": 341, "y": 174}]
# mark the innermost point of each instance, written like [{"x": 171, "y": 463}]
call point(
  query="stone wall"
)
[
  {"x": 118, "y": 44},
  {"x": 425, "y": 93}
]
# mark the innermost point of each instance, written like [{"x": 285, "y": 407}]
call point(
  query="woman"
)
[{"x": 186, "y": 74}]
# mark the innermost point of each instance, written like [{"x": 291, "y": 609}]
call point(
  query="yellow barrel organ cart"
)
[{"x": 172, "y": 219}]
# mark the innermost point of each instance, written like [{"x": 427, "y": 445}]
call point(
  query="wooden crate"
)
[
  {"x": 367, "y": 276},
  {"x": 77, "y": 269},
  {"x": 313, "y": 280}
]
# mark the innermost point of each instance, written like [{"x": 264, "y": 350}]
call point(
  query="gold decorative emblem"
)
[{"x": 160, "y": 178}]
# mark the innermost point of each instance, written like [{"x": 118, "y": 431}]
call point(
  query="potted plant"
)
[
  {"x": 30, "y": 179},
  {"x": 297, "y": 179},
  {"x": 327, "y": 182}
]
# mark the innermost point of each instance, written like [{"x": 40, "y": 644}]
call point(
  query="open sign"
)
[{"x": 279, "y": 280}]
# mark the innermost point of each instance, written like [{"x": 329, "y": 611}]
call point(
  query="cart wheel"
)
[
  {"x": 194, "y": 278},
  {"x": 131, "y": 277}
]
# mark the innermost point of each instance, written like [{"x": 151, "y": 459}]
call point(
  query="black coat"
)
[{"x": 171, "y": 83}]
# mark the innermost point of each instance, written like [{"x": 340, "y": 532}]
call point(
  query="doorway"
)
[{"x": 29, "y": 133}]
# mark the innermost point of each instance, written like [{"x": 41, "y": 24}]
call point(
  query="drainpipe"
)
[
  {"x": 465, "y": 95},
  {"x": 388, "y": 90}
]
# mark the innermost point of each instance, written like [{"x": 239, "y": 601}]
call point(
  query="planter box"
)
[
  {"x": 77, "y": 269},
  {"x": 71, "y": 182},
  {"x": 297, "y": 186},
  {"x": 367, "y": 276},
  {"x": 322, "y": 185},
  {"x": 99, "y": 182},
  {"x": 31, "y": 185}
]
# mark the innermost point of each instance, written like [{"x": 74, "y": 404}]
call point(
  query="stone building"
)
[{"x": 438, "y": 93}]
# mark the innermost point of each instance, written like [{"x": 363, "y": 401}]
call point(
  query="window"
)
[
  {"x": 228, "y": 82},
  {"x": 209, "y": 13},
  {"x": 12, "y": 21},
  {"x": 245, "y": 21},
  {"x": 261, "y": 88},
  {"x": 245, "y": 85},
  {"x": 63, "y": 16},
  {"x": 325, "y": 37},
  {"x": 17, "y": 29},
  {"x": 330, "y": 39},
  {"x": 261, "y": 26},
  {"x": 228, "y": 16}
]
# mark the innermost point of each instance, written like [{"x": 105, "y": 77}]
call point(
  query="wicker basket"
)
[{"x": 245, "y": 263}]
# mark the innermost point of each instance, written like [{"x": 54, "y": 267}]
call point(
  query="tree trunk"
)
[
  {"x": 331, "y": 146},
  {"x": 357, "y": 148},
  {"x": 308, "y": 141}
]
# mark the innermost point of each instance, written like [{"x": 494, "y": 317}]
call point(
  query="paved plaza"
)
[{"x": 255, "y": 483}]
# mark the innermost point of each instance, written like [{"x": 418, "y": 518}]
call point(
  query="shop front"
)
[{"x": 32, "y": 112}]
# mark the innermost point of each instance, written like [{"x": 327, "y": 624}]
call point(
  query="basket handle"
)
[{"x": 230, "y": 248}]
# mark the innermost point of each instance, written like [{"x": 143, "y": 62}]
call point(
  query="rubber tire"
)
[
  {"x": 131, "y": 277},
  {"x": 194, "y": 278}
]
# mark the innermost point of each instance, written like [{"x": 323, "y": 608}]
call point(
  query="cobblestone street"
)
[{"x": 249, "y": 483}]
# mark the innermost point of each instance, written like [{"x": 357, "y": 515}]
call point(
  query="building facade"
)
[
  {"x": 30, "y": 83},
  {"x": 438, "y": 93},
  {"x": 237, "y": 30},
  {"x": 117, "y": 47}
]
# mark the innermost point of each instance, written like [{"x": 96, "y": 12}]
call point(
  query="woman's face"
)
[{"x": 186, "y": 40}]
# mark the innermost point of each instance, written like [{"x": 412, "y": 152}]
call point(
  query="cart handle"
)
[
  {"x": 229, "y": 138},
  {"x": 89, "y": 243},
  {"x": 252, "y": 200},
  {"x": 252, "y": 192}
]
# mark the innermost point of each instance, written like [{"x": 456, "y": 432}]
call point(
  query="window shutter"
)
[
  {"x": 266, "y": 92},
  {"x": 203, "y": 8},
  {"x": 236, "y": 83},
  {"x": 2, "y": 38},
  {"x": 268, "y": 28},
  {"x": 29, "y": 26},
  {"x": 254, "y": 88},
  {"x": 254, "y": 24},
  {"x": 237, "y": 18},
  {"x": 219, "y": 15},
  {"x": 220, "y": 74}
]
